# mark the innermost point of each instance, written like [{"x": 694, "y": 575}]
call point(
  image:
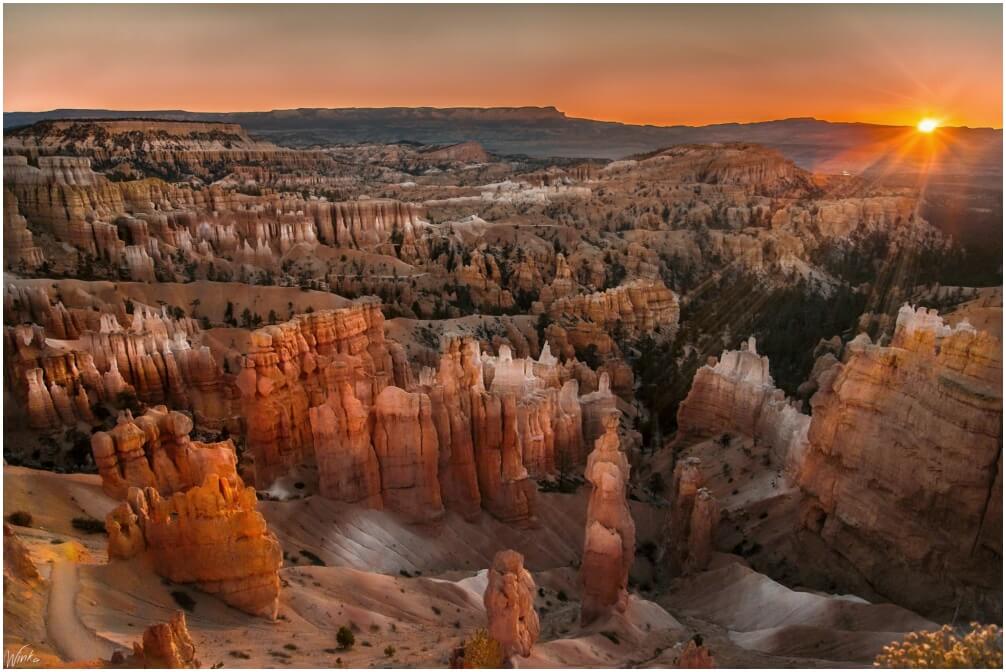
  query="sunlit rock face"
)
[
  {"x": 737, "y": 394},
  {"x": 154, "y": 451},
  {"x": 19, "y": 249},
  {"x": 405, "y": 441},
  {"x": 468, "y": 435},
  {"x": 452, "y": 390},
  {"x": 155, "y": 359},
  {"x": 610, "y": 541},
  {"x": 210, "y": 535},
  {"x": 903, "y": 470},
  {"x": 348, "y": 468},
  {"x": 509, "y": 602},
  {"x": 296, "y": 365},
  {"x": 164, "y": 646}
]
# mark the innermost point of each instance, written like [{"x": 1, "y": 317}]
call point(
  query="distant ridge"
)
[{"x": 546, "y": 131}]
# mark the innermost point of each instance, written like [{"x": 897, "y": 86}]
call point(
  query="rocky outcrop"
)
[
  {"x": 701, "y": 531},
  {"x": 562, "y": 285},
  {"x": 634, "y": 309},
  {"x": 695, "y": 656},
  {"x": 161, "y": 147},
  {"x": 453, "y": 389},
  {"x": 17, "y": 562},
  {"x": 164, "y": 646},
  {"x": 693, "y": 519},
  {"x": 348, "y": 468},
  {"x": 507, "y": 491},
  {"x": 904, "y": 461},
  {"x": 152, "y": 230},
  {"x": 154, "y": 451},
  {"x": 405, "y": 441},
  {"x": 210, "y": 535},
  {"x": 469, "y": 435},
  {"x": 153, "y": 360},
  {"x": 19, "y": 249},
  {"x": 509, "y": 603},
  {"x": 501, "y": 421},
  {"x": 596, "y": 407},
  {"x": 296, "y": 365},
  {"x": 610, "y": 542},
  {"x": 756, "y": 169},
  {"x": 737, "y": 394},
  {"x": 465, "y": 152}
]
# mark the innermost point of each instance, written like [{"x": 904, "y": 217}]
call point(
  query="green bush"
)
[
  {"x": 345, "y": 638},
  {"x": 88, "y": 525},
  {"x": 20, "y": 518}
]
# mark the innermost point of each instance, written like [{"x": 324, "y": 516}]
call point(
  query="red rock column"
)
[{"x": 509, "y": 602}]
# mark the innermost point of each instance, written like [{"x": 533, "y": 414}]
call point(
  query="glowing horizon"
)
[{"x": 660, "y": 65}]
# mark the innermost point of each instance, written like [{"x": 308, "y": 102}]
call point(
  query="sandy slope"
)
[
  {"x": 69, "y": 635},
  {"x": 761, "y": 614},
  {"x": 746, "y": 618},
  {"x": 381, "y": 541}
]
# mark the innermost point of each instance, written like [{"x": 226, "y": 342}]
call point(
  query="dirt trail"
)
[{"x": 72, "y": 639}]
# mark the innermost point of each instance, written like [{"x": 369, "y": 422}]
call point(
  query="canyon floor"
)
[{"x": 418, "y": 589}]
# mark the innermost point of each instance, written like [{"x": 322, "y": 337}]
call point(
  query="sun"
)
[{"x": 928, "y": 125}]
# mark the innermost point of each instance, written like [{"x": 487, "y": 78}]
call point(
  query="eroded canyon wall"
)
[
  {"x": 736, "y": 394},
  {"x": 902, "y": 472}
]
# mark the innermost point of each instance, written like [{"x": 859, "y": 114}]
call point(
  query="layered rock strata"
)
[
  {"x": 154, "y": 450},
  {"x": 902, "y": 475},
  {"x": 19, "y": 249},
  {"x": 509, "y": 603},
  {"x": 468, "y": 435},
  {"x": 145, "y": 226},
  {"x": 610, "y": 542},
  {"x": 737, "y": 394},
  {"x": 405, "y": 441},
  {"x": 634, "y": 309},
  {"x": 210, "y": 535},
  {"x": 153, "y": 359},
  {"x": 296, "y": 365}
]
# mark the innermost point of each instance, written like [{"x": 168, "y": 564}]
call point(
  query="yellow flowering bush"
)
[
  {"x": 981, "y": 646},
  {"x": 482, "y": 651}
]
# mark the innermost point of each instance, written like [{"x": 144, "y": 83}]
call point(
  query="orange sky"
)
[{"x": 640, "y": 64}]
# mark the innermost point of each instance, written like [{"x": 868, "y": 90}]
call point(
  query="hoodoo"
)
[{"x": 610, "y": 540}]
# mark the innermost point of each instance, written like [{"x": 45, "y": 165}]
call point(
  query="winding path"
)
[{"x": 72, "y": 639}]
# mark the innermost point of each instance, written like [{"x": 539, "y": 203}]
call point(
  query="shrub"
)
[
  {"x": 20, "y": 518},
  {"x": 88, "y": 525},
  {"x": 312, "y": 558},
  {"x": 979, "y": 647},
  {"x": 184, "y": 600},
  {"x": 389, "y": 651},
  {"x": 483, "y": 652},
  {"x": 345, "y": 638}
]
